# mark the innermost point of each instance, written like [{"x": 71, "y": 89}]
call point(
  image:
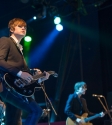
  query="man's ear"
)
[{"x": 11, "y": 30}]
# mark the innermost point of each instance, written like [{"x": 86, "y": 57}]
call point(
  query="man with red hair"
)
[{"x": 12, "y": 62}]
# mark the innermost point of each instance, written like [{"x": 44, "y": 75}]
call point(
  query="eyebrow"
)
[{"x": 22, "y": 26}]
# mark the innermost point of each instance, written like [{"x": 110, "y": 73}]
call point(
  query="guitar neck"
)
[
  {"x": 36, "y": 77},
  {"x": 92, "y": 117}
]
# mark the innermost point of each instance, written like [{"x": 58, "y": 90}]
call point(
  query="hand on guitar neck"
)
[{"x": 28, "y": 77}]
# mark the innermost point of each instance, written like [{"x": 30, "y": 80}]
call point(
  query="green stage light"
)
[{"x": 27, "y": 39}]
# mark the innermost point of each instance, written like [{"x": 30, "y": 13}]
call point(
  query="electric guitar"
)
[
  {"x": 20, "y": 85},
  {"x": 69, "y": 121}
]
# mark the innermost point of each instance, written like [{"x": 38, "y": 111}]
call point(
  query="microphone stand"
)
[
  {"x": 48, "y": 111},
  {"x": 48, "y": 104},
  {"x": 106, "y": 108}
]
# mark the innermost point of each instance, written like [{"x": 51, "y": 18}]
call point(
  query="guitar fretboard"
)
[
  {"x": 36, "y": 77},
  {"x": 92, "y": 117}
]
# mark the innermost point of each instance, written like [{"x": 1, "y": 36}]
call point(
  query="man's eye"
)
[{"x": 22, "y": 26}]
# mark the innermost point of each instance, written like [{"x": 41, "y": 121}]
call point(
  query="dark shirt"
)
[{"x": 75, "y": 105}]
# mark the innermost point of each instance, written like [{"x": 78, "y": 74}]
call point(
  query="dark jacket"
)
[
  {"x": 77, "y": 106},
  {"x": 11, "y": 59}
]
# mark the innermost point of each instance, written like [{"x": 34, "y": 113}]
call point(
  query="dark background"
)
[{"x": 81, "y": 52}]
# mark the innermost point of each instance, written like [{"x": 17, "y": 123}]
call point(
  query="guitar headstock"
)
[
  {"x": 108, "y": 111},
  {"x": 53, "y": 73}
]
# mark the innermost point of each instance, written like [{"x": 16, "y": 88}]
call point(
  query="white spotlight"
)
[
  {"x": 34, "y": 17},
  {"x": 59, "y": 27}
]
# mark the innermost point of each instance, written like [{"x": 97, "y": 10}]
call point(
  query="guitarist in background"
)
[
  {"x": 76, "y": 105},
  {"x": 12, "y": 62}
]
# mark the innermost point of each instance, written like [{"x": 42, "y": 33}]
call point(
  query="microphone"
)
[{"x": 97, "y": 95}]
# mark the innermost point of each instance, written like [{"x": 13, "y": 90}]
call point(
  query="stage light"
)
[
  {"x": 27, "y": 39},
  {"x": 34, "y": 17},
  {"x": 59, "y": 27},
  {"x": 2, "y": 123},
  {"x": 57, "y": 20}
]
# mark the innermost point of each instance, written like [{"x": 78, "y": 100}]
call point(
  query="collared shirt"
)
[
  {"x": 21, "y": 48},
  {"x": 18, "y": 44}
]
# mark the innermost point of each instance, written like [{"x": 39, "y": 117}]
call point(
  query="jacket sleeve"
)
[
  {"x": 68, "y": 108},
  {"x": 4, "y": 50}
]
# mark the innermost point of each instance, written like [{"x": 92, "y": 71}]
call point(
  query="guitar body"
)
[
  {"x": 21, "y": 86},
  {"x": 69, "y": 121},
  {"x": 25, "y": 91}
]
